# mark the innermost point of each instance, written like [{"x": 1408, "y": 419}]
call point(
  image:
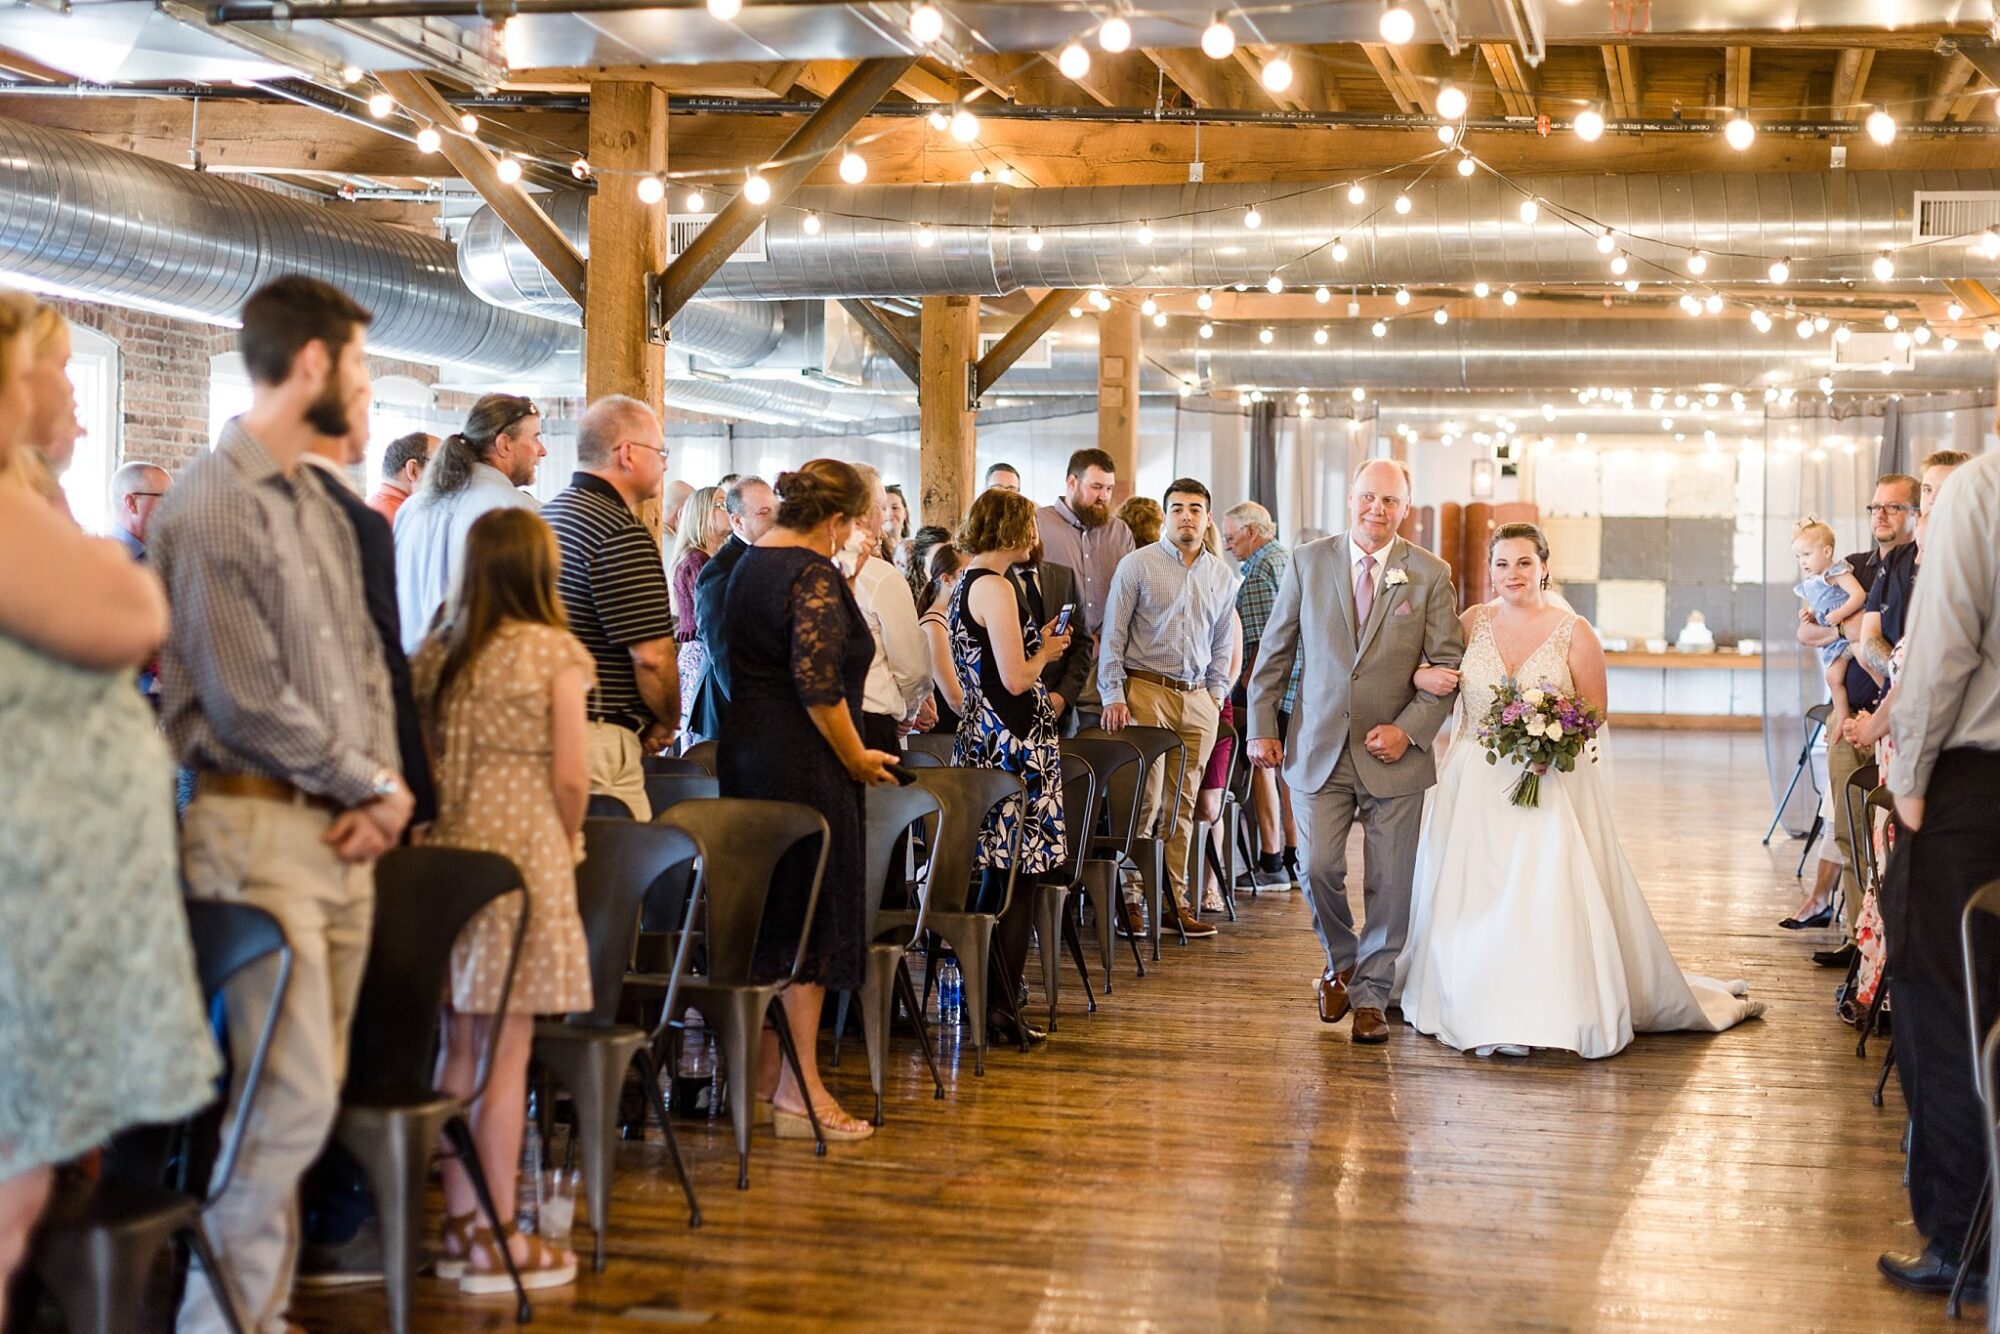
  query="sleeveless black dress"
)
[{"x": 796, "y": 638}]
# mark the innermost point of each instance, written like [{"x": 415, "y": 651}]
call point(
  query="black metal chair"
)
[
  {"x": 1055, "y": 925},
  {"x": 670, "y": 764},
  {"x": 890, "y": 813},
  {"x": 1989, "y": 1095},
  {"x": 923, "y": 759},
  {"x": 1980, "y": 922},
  {"x": 690, "y": 784},
  {"x": 703, "y": 754},
  {"x": 590, "y": 1052},
  {"x": 1218, "y": 838},
  {"x": 1849, "y": 809},
  {"x": 1815, "y": 724},
  {"x": 1116, "y": 766},
  {"x": 938, "y": 744},
  {"x": 1147, "y": 850},
  {"x": 391, "y": 1115},
  {"x": 603, "y": 807},
  {"x": 98, "y": 1240},
  {"x": 741, "y": 842},
  {"x": 965, "y": 798}
]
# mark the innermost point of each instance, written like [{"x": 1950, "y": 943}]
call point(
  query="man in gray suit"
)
[{"x": 1362, "y": 611}]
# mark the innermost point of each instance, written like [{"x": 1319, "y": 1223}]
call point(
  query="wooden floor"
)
[{"x": 1203, "y": 1154}]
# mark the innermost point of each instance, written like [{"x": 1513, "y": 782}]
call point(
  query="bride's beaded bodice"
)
[{"x": 1483, "y": 669}]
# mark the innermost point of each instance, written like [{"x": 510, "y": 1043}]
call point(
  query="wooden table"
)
[{"x": 1724, "y": 661}]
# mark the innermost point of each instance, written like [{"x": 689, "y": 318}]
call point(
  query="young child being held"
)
[{"x": 1832, "y": 595}]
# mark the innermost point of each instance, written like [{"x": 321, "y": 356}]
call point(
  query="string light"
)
[
  {"x": 508, "y": 169},
  {"x": 1954, "y": 312},
  {"x": 1820, "y": 323},
  {"x": 380, "y": 105},
  {"x": 1451, "y": 101},
  {"x": 1276, "y": 75},
  {"x": 724, "y": 10},
  {"x": 1358, "y": 394},
  {"x": 1631, "y": 284},
  {"x": 1508, "y": 297},
  {"x": 1697, "y": 263},
  {"x": 1439, "y": 316},
  {"x": 1482, "y": 290},
  {"x": 1842, "y": 334},
  {"x": 1991, "y": 339},
  {"x": 1252, "y": 219},
  {"x": 1274, "y": 284},
  {"x": 1160, "y": 319},
  {"x": 696, "y": 201},
  {"x": 1891, "y": 320},
  {"x": 1902, "y": 341},
  {"x": 1761, "y": 321},
  {"x": 1218, "y": 39},
  {"x": 580, "y": 169},
  {"x": 1034, "y": 238},
  {"x": 1713, "y": 303},
  {"x": 811, "y": 224},
  {"x": 1358, "y": 194},
  {"x": 937, "y": 121},
  {"x": 1402, "y": 296},
  {"x": 853, "y": 167},
  {"x": 964, "y": 126},
  {"x": 1321, "y": 294},
  {"x": 1339, "y": 251},
  {"x": 1076, "y": 312},
  {"x": 1320, "y": 335},
  {"x": 1881, "y": 127},
  {"x": 1206, "y": 330},
  {"x": 1989, "y": 243},
  {"x": 1073, "y": 60},
  {"x": 651, "y": 189},
  {"x": 1115, "y": 35},
  {"x": 1606, "y": 243},
  {"x": 925, "y": 236},
  {"x": 429, "y": 140},
  {"x": 1884, "y": 267},
  {"x": 1187, "y": 389},
  {"x": 1530, "y": 210},
  {"x": 756, "y": 189},
  {"x": 926, "y": 24},
  {"x": 1378, "y": 328},
  {"x": 1739, "y": 133},
  {"x": 1148, "y": 306},
  {"x": 1948, "y": 343},
  {"x": 1265, "y": 335},
  {"x": 1805, "y": 329},
  {"x": 1922, "y": 334},
  {"x": 351, "y": 73},
  {"x": 1403, "y": 204},
  {"x": 1619, "y": 264},
  {"x": 1205, "y": 301},
  {"x": 1589, "y": 124},
  {"x": 1466, "y": 166},
  {"x": 1397, "y": 26},
  {"x": 1145, "y": 232},
  {"x": 469, "y": 123}
]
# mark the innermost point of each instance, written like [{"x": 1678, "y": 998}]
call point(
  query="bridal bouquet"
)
[{"x": 1541, "y": 727}]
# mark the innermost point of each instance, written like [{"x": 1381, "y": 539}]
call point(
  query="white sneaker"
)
[{"x": 1501, "y": 1049}]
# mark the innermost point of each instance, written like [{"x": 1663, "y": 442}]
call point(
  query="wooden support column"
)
[
  {"x": 1027, "y": 331},
  {"x": 1118, "y": 391},
  {"x": 949, "y": 338},
  {"x": 628, "y": 243}
]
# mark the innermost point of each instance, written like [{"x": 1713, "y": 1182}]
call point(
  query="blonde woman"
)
[
  {"x": 52, "y": 427},
  {"x": 703, "y": 528}
]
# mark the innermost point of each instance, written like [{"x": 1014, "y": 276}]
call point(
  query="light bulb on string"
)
[
  {"x": 925, "y": 236},
  {"x": 508, "y": 169},
  {"x": 1466, "y": 166},
  {"x": 1265, "y": 335},
  {"x": 1619, "y": 264},
  {"x": 351, "y": 73},
  {"x": 1321, "y": 294},
  {"x": 811, "y": 224},
  {"x": 651, "y": 189},
  {"x": 1148, "y": 306},
  {"x": 1948, "y": 343},
  {"x": 380, "y": 105},
  {"x": 1990, "y": 339},
  {"x": 1114, "y": 35},
  {"x": 1883, "y": 267},
  {"x": 1954, "y": 312},
  {"x": 1358, "y": 394},
  {"x": 1902, "y": 340},
  {"x": 1034, "y": 238},
  {"x": 853, "y": 167},
  {"x": 1606, "y": 242},
  {"x": 1440, "y": 316},
  {"x": 696, "y": 201},
  {"x": 1397, "y": 26},
  {"x": 1631, "y": 284},
  {"x": 1206, "y": 330},
  {"x": 1891, "y": 320},
  {"x": 1508, "y": 297},
  {"x": 1403, "y": 204},
  {"x": 1761, "y": 321},
  {"x": 937, "y": 121},
  {"x": 1402, "y": 296},
  {"x": 1713, "y": 303},
  {"x": 468, "y": 123},
  {"x": 1482, "y": 290},
  {"x": 724, "y": 10},
  {"x": 1989, "y": 243},
  {"x": 1205, "y": 301},
  {"x": 1821, "y": 323},
  {"x": 1218, "y": 39},
  {"x": 1922, "y": 334},
  {"x": 1451, "y": 101},
  {"x": 964, "y": 126},
  {"x": 1144, "y": 235},
  {"x": 1252, "y": 218},
  {"x": 1842, "y": 333},
  {"x": 1739, "y": 133},
  {"x": 1074, "y": 60},
  {"x": 1186, "y": 389},
  {"x": 1697, "y": 263},
  {"x": 756, "y": 190},
  {"x": 1339, "y": 251},
  {"x": 1378, "y": 328},
  {"x": 1320, "y": 335},
  {"x": 1448, "y": 135},
  {"x": 926, "y": 24},
  {"x": 1805, "y": 329},
  {"x": 429, "y": 140},
  {"x": 1076, "y": 312},
  {"x": 1881, "y": 127},
  {"x": 1159, "y": 319},
  {"x": 1276, "y": 76},
  {"x": 1530, "y": 210},
  {"x": 1589, "y": 124},
  {"x": 1781, "y": 269},
  {"x": 1358, "y": 194}
]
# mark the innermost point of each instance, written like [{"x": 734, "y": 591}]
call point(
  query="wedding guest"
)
[
  {"x": 1000, "y": 651},
  {"x": 934, "y": 614},
  {"x": 483, "y": 467},
  {"x": 1046, "y": 589},
  {"x": 899, "y": 676},
  {"x": 101, "y": 1022},
  {"x": 1945, "y": 777},
  {"x": 703, "y": 528},
  {"x": 799, "y": 652},
  {"x": 1252, "y": 538},
  {"x": 1892, "y": 518},
  {"x": 1144, "y": 519},
  {"x": 402, "y": 466},
  {"x": 672, "y": 499},
  {"x": 753, "y": 508},
  {"x": 52, "y": 428},
  {"x": 1077, "y": 531},
  {"x": 918, "y": 572},
  {"x": 136, "y": 489},
  {"x": 1164, "y": 662},
  {"x": 1215, "y": 778},
  {"x": 502, "y": 685},
  {"x": 615, "y": 591},
  {"x": 896, "y": 532},
  {"x": 1003, "y": 477},
  {"x": 276, "y": 696},
  {"x": 1832, "y": 597}
]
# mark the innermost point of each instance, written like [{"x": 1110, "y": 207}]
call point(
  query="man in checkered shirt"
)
[{"x": 1252, "y": 537}]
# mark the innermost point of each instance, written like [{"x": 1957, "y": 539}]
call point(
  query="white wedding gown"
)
[{"x": 1526, "y": 924}]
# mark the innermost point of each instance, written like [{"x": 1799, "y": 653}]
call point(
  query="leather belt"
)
[
  {"x": 1154, "y": 678},
  {"x": 265, "y": 789}
]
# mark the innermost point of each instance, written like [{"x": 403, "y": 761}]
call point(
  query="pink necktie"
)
[{"x": 1364, "y": 589}]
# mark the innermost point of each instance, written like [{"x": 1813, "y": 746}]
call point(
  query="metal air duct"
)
[
  {"x": 1460, "y": 230},
  {"x": 81, "y": 219}
]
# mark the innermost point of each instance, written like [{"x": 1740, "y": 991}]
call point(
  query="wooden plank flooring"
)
[{"x": 1203, "y": 1154}]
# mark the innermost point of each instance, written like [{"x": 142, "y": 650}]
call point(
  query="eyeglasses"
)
[
  {"x": 144, "y": 495},
  {"x": 1891, "y": 509},
  {"x": 640, "y": 444}
]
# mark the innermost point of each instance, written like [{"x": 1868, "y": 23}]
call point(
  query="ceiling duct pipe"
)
[
  {"x": 1460, "y": 230},
  {"x": 83, "y": 220}
]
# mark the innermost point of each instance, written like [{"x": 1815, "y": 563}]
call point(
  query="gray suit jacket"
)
[{"x": 1356, "y": 677}]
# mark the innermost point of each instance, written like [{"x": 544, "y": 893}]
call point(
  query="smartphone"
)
[
  {"x": 1062, "y": 618},
  {"x": 903, "y": 774}
]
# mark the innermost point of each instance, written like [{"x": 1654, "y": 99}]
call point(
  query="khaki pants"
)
[
  {"x": 1842, "y": 759},
  {"x": 270, "y": 855},
  {"x": 617, "y": 768},
  {"x": 1192, "y": 717}
]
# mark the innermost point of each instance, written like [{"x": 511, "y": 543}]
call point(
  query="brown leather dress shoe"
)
[
  {"x": 1333, "y": 996},
  {"x": 1369, "y": 1025}
]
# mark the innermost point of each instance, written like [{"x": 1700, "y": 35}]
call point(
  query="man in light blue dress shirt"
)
[{"x": 1163, "y": 661}]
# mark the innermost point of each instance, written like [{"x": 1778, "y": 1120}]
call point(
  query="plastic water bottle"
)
[
  {"x": 528, "y": 1195},
  {"x": 951, "y": 993}
]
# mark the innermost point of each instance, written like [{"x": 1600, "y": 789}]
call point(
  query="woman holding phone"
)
[{"x": 1008, "y": 721}]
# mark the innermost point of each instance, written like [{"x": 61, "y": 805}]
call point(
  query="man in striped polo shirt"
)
[{"x": 614, "y": 588}]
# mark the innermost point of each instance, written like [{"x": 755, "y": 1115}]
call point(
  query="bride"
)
[{"x": 1527, "y": 928}]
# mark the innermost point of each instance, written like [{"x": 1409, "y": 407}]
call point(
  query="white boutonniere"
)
[{"x": 1395, "y": 578}]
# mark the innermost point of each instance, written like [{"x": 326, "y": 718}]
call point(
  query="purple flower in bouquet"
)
[{"x": 1540, "y": 728}]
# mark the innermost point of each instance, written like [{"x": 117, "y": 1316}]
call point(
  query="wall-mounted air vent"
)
[
  {"x": 1872, "y": 350},
  {"x": 1939, "y": 214},
  {"x": 682, "y": 228}
]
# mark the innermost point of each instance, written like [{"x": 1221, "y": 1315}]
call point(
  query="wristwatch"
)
[{"x": 386, "y": 783}]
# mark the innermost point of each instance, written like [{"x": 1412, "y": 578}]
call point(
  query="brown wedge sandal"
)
[
  {"x": 486, "y": 1271},
  {"x": 455, "y": 1244}
]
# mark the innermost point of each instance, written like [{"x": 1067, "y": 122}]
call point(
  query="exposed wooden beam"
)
[
  {"x": 1513, "y": 80},
  {"x": 1198, "y": 76},
  {"x": 1253, "y": 59},
  {"x": 897, "y": 348},
  {"x": 737, "y": 78},
  {"x": 1124, "y": 80},
  {"x": 1736, "y": 77},
  {"x": 1406, "y": 73},
  {"x": 1621, "y": 73},
  {"x": 628, "y": 243},
  {"x": 26, "y": 67},
  {"x": 471, "y": 159},
  {"x": 1017, "y": 340},
  {"x": 1850, "y": 81},
  {"x": 1978, "y": 300},
  {"x": 948, "y": 429},
  {"x": 1948, "y": 80},
  {"x": 822, "y": 132}
]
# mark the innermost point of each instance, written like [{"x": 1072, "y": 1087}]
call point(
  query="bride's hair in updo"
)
[
  {"x": 1522, "y": 532},
  {"x": 821, "y": 489}
]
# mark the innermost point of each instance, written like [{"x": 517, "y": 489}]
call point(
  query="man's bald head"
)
[
  {"x": 136, "y": 489},
  {"x": 1377, "y": 499}
]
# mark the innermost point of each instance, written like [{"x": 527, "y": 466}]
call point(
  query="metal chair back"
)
[
  {"x": 965, "y": 798},
  {"x": 691, "y": 784},
  {"x": 941, "y": 745},
  {"x": 229, "y": 937},
  {"x": 1154, "y": 745},
  {"x": 622, "y": 861},
  {"x": 703, "y": 754},
  {"x": 670, "y": 764},
  {"x": 741, "y": 842},
  {"x": 889, "y": 811},
  {"x": 1120, "y": 782}
]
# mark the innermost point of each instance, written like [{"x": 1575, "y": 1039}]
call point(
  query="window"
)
[
  {"x": 94, "y": 375},
  {"x": 228, "y": 392}
]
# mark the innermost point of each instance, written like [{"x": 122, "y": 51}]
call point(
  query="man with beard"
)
[
  {"x": 478, "y": 469},
  {"x": 1077, "y": 531},
  {"x": 277, "y": 698}
]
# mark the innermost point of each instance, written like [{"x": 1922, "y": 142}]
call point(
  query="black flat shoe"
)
[
  {"x": 1839, "y": 958},
  {"x": 1000, "y": 1029},
  {"x": 1928, "y": 1272},
  {"x": 1824, "y": 917}
]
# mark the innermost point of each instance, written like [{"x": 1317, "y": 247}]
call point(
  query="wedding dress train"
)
[{"x": 1527, "y": 925}]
